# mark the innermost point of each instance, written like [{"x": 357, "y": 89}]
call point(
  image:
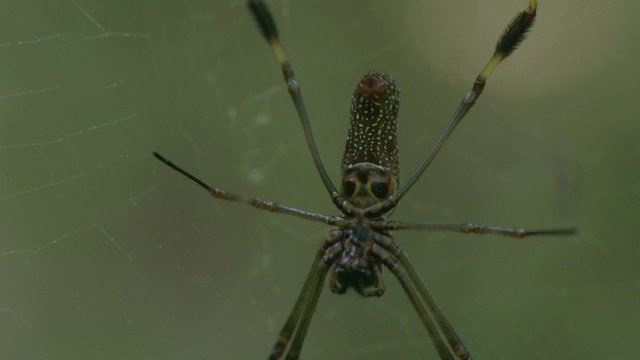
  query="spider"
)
[{"x": 353, "y": 254}]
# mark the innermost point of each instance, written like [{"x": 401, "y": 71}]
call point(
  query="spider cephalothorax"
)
[{"x": 355, "y": 264}]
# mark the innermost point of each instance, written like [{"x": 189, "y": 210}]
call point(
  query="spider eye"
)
[
  {"x": 380, "y": 189},
  {"x": 349, "y": 188}
]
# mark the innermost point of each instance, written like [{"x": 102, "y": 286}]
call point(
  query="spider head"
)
[{"x": 370, "y": 160}]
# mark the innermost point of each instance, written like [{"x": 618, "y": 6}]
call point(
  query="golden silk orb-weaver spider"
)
[{"x": 354, "y": 253}]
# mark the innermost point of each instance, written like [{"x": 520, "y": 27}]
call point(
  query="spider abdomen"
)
[{"x": 372, "y": 136}]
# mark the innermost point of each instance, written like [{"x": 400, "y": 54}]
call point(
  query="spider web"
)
[{"x": 107, "y": 254}]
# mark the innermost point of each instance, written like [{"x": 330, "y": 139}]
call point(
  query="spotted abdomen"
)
[{"x": 372, "y": 141}]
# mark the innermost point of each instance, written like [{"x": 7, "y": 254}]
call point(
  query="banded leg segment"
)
[
  {"x": 289, "y": 328},
  {"x": 408, "y": 284},
  {"x": 449, "y": 333},
  {"x": 317, "y": 282},
  {"x": 300, "y": 317},
  {"x": 256, "y": 203},
  {"x": 269, "y": 30},
  {"x": 400, "y": 260},
  {"x": 513, "y": 35},
  {"x": 468, "y": 228}
]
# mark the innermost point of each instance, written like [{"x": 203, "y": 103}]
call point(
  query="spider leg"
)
[
  {"x": 333, "y": 281},
  {"x": 392, "y": 250},
  {"x": 454, "y": 340},
  {"x": 289, "y": 329},
  {"x": 468, "y": 228},
  {"x": 409, "y": 285},
  {"x": 513, "y": 35},
  {"x": 257, "y": 203},
  {"x": 379, "y": 289},
  {"x": 393, "y": 255},
  {"x": 315, "y": 289},
  {"x": 302, "y": 312},
  {"x": 269, "y": 30},
  {"x": 388, "y": 245}
]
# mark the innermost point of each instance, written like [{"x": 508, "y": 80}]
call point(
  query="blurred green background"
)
[{"x": 107, "y": 254}]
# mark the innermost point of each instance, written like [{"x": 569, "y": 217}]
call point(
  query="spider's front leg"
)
[
  {"x": 267, "y": 25},
  {"x": 511, "y": 38}
]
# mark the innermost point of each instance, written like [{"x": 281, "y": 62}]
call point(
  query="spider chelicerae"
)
[{"x": 353, "y": 254}]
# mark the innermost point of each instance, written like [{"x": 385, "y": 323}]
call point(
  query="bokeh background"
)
[{"x": 107, "y": 254}]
